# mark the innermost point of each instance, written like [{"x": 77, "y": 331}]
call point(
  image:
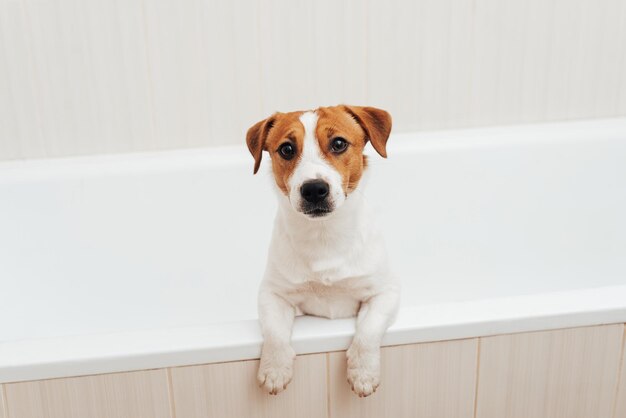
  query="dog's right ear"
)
[{"x": 256, "y": 137}]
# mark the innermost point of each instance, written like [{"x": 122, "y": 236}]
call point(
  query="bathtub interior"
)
[{"x": 97, "y": 245}]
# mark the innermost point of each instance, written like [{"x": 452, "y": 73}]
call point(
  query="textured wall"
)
[{"x": 92, "y": 76}]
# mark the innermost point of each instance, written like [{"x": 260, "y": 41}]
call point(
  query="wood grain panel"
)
[
  {"x": 121, "y": 395},
  {"x": 554, "y": 374},
  {"x": 620, "y": 400},
  {"x": 418, "y": 380},
  {"x": 230, "y": 390},
  {"x": 3, "y": 406}
]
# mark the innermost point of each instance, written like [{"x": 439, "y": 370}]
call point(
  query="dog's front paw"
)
[
  {"x": 276, "y": 368},
  {"x": 363, "y": 369}
]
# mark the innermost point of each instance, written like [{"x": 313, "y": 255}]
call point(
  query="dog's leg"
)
[
  {"x": 374, "y": 318},
  {"x": 277, "y": 356}
]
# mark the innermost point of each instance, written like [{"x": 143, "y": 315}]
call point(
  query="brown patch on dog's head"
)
[
  {"x": 357, "y": 125},
  {"x": 268, "y": 135},
  {"x": 376, "y": 123},
  {"x": 354, "y": 124}
]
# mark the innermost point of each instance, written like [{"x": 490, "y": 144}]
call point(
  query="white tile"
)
[
  {"x": 584, "y": 67},
  {"x": 204, "y": 71},
  {"x": 611, "y": 62},
  {"x": 459, "y": 85},
  {"x": 620, "y": 68},
  {"x": 20, "y": 129},
  {"x": 178, "y": 63},
  {"x": 499, "y": 29},
  {"x": 394, "y": 34},
  {"x": 236, "y": 104},
  {"x": 593, "y": 71},
  {"x": 546, "y": 60},
  {"x": 418, "y": 61},
  {"x": 312, "y": 54},
  {"x": 90, "y": 75},
  {"x": 537, "y": 52}
]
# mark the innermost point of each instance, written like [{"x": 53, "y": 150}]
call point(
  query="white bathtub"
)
[{"x": 145, "y": 261}]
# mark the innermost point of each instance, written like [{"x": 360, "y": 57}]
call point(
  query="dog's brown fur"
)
[{"x": 357, "y": 125}]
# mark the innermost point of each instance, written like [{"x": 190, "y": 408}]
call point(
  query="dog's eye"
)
[
  {"x": 338, "y": 145},
  {"x": 287, "y": 151}
]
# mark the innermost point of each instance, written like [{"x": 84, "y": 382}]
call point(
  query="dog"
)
[{"x": 327, "y": 257}]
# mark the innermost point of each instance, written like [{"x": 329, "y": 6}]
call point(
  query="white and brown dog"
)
[{"x": 326, "y": 257}]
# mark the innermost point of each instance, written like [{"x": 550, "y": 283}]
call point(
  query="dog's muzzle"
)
[{"x": 315, "y": 200}]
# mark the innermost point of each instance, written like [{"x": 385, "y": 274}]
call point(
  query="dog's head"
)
[{"x": 317, "y": 156}]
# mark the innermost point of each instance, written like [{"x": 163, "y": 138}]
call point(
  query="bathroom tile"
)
[
  {"x": 620, "y": 401},
  {"x": 178, "y": 60},
  {"x": 121, "y": 395},
  {"x": 312, "y": 53},
  {"x": 231, "y": 390},
  {"x": 204, "y": 71},
  {"x": 20, "y": 130},
  {"x": 82, "y": 77},
  {"x": 89, "y": 75},
  {"x": 497, "y": 62},
  {"x": 568, "y": 373},
  {"x": 564, "y": 69},
  {"x": 614, "y": 79},
  {"x": 526, "y": 61},
  {"x": 418, "y": 57},
  {"x": 542, "y": 60},
  {"x": 418, "y": 380},
  {"x": 592, "y": 31}
]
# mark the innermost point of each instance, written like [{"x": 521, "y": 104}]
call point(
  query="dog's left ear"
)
[
  {"x": 376, "y": 123},
  {"x": 256, "y": 137}
]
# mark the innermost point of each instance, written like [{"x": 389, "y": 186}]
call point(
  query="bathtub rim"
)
[
  {"x": 34, "y": 170},
  {"x": 58, "y": 357}
]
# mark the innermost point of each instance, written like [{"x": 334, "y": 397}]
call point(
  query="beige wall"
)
[
  {"x": 571, "y": 373},
  {"x": 84, "y": 77}
]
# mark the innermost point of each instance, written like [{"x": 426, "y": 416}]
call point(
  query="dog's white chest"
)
[
  {"x": 337, "y": 300},
  {"x": 328, "y": 270}
]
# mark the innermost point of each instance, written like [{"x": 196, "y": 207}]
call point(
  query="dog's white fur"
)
[
  {"x": 333, "y": 266},
  {"x": 312, "y": 166}
]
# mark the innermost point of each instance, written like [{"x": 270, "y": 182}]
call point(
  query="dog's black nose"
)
[{"x": 314, "y": 191}]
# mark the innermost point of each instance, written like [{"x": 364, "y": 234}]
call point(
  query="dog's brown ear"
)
[
  {"x": 376, "y": 123},
  {"x": 255, "y": 138}
]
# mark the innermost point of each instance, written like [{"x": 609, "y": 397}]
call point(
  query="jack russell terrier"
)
[{"x": 327, "y": 257}]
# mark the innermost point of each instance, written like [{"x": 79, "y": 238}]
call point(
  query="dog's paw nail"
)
[
  {"x": 275, "y": 375},
  {"x": 363, "y": 369},
  {"x": 363, "y": 382}
]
